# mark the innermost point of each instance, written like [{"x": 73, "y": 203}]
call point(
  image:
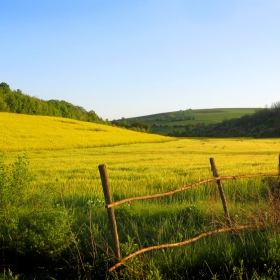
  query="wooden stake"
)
[
  {"x": 279, "y": 170},
  {"x": 110, "y": 211},
  {"x": 221, "y": 190}
]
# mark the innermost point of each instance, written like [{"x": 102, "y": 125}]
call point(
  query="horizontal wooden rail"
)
[
  {"x": 194, "y": 239},
  {"x": 217, "y": 178},
  {"x": 128, "y": 200}
]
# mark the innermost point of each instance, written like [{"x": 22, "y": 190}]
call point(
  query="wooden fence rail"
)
[
  {"x": 129, "y": 200},
  {"x": 217, "y": 178}
]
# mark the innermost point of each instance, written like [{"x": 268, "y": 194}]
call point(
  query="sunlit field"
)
[
  {"x": 147, "y": 168},
  {"x": 24, "y": 133}
]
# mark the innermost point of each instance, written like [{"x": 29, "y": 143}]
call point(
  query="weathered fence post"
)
[
  {"x": 221, "y": 190},
  {"x": 110, "y": 211},
  {"x": 279, "y": 170}
]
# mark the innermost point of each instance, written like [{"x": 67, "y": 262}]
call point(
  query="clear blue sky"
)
[{"x": 139, "y": 57}]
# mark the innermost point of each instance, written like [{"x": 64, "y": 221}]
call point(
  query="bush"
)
[{"x": 30, "y": 223}]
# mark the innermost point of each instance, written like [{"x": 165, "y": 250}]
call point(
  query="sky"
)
[{"x": 129, "y": 58}]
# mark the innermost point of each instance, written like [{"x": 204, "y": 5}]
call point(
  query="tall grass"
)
[{"x": 141, "y": 169}]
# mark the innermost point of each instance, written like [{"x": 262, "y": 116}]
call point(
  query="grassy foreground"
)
[{"x": 57, "y": 221}]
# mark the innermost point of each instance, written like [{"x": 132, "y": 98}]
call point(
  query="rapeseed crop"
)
[
  {"x": 24, "y": 133},
  {"x": 137, "y": 168}
]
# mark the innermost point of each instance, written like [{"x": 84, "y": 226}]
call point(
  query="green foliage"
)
[
  {"x": 4, "y": 87},
  {"x": 263, "y": 123},
  {"x": 137, "y": 126},
  {"x": 30, "y": 223},
  {"x": 139, "y": 170},
  {"x": 9, "y": 275},
  {"x": 129, "y": 247},
  {"x": 216, "y": 123},
  {"x": 176, "y": 123},
  {"x": 15, "y": 101}
]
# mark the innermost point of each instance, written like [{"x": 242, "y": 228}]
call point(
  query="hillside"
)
[
  {"x": 218, "y": 122},
  {"x": 176, "y": 122},
  {"x": 20, "y": 132},
  {"x": 246, "y": 122},
  {"x": 263, "y": 123}
]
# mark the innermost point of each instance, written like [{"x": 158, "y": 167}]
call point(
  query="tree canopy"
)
[{"x": 14, "y": 101}]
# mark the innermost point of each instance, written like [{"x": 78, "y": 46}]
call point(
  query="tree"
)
[
  {"x": 5, "y": 87},
  {"x": 140, "y": 126},
  {"x": 3, "y": 105},
  {"x": 12, "y": 103}
]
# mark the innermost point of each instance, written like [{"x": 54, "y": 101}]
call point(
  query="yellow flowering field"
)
[
  {"x": 146, "y": 168},
  {"x": 25, "y": 132}
]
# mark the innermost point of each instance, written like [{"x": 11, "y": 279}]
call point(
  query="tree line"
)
[
  {"x": 14, "y": 101},
  {"x": 263, "y": 123},
  {"x": 137, "y": 125}
]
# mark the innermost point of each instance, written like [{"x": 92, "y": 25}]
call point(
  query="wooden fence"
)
[{"x": 216, "y": 178}]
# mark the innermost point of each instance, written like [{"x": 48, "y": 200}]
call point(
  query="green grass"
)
[
  {"x": 142, "y": 169},
  {"x": 167, "y": 122}
]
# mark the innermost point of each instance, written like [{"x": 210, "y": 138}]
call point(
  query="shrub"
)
[{"x": 30, "y": 223}]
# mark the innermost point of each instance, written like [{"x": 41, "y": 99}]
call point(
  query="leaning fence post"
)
[
  {"x": 221, "y": 190},
  {"x": 110, "y": 211}
]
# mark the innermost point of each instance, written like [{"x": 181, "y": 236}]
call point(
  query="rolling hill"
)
[
  {"x": 176, "y": 122},
  {"x": 20, "y": 132},
  {"x": 217, "y": 122}
]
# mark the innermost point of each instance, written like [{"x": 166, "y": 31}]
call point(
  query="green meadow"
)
[
  {"x": 165, "y": 123},
  {"x": 54, "y": 223},
  {"x": 72, "y": 176}
]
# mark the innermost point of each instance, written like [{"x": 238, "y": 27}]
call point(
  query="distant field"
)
[
  {"x": 165, "y": 123},
  {"x": 25, "y": 132}
]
